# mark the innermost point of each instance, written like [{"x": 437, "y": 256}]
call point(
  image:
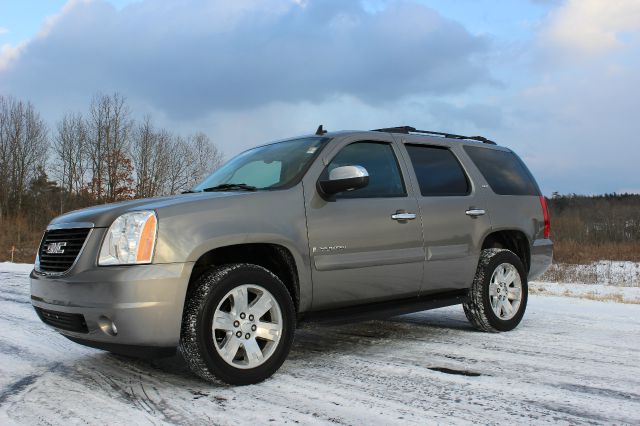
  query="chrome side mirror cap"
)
[{"x": 345, "y": 178}]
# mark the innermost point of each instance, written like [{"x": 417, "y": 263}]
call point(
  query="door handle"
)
[
  {"x": 402, "y": 215},
  {"x": 473, "y": 212}
]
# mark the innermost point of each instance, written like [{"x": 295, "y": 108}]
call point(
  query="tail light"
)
[{"x": 545, "y": 214}]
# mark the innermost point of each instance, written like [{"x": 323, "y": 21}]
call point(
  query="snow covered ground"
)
[
  {"x": 609, "y": 272},
  {"x": 603, "y": 280},
  {"x": 587, "y": 291},
  {"x": 570, "y": 361}
]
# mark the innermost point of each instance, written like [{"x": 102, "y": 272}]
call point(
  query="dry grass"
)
[
  {"x": 615, "y": 297},
  {"x": 609, "y": 297},
  {"x": 573, "y": 252},
  {"x": 15, "y": 232}
]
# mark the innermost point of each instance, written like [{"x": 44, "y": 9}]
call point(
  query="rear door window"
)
[
  {"x": 503, "y": 170},
  {"x": 438, "y": 171}
]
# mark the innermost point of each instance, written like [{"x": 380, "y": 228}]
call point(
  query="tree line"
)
[
  {"x": 587, "y": 229},
  {"x": 98, "y": 156},
  {"x": 597, "y": 219}
]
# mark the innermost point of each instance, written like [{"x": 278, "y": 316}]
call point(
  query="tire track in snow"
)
[
  {"x": 17, "y": 387},
  {"x": 609, "y": 393}
]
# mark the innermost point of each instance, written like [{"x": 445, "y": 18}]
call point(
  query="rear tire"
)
[
  {"x": 498, "y": 295},
  {"x": 238, "y": 325}
]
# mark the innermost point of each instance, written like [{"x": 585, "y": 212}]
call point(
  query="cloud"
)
[
  {"x": 191, "y": 57},
  {"x": 576, "y": 129},
  {"x": 573, "y": 116},
  {"x": 4, "y": 30},
  {"x": 589, "y": 28},
  {"x": 251, "y": 71}
]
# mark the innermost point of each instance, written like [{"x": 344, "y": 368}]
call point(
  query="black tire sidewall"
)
[
  {"x": 248, "y": 274},
  {"x": 498, "y": 259}
]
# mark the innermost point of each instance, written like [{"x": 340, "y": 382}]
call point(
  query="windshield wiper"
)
[{"x": 231, "y": 187}]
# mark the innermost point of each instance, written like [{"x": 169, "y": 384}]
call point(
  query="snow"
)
[
  {"x": 588, "y": 291},
  {"x": 608, "y": 272},
  {"x": 603, "y": 280},
  {"x": 570, "y": 361}
]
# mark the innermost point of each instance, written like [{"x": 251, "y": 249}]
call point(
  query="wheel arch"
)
[
  {"x": 276, "y": 258},
  {"x": 511, "y": 239}
]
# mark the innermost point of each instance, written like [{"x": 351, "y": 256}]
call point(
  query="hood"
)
[{"x": 102, "y": 216}]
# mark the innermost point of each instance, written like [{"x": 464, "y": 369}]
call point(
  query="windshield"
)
[{"x": 274, "y": 166}]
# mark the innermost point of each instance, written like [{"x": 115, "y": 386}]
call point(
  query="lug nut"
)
[
  {"x": 242, "y": 315},
  {"x": 236, "y": 323},
  {"x": 253, "y": 327},
  {"x": 239, "y": 334},
  {"x": 250, "y": 317},
  {"x": 246, "y": 336}
]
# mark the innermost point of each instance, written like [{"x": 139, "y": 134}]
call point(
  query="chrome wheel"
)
[
  {"x": 247, "y": 326},
  {"x": 505, "y": 291}
]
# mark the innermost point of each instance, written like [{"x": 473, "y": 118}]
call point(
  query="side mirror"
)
[{"x": 345, "y": 178}]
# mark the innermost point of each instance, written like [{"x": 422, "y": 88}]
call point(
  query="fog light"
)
[{"x": 107, "y": 326}]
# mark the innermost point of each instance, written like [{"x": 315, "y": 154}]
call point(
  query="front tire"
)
[
  {"x": 499, "y": 293},
  {"x": 238, "y": 325}
]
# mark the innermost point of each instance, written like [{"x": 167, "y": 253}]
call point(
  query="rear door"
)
[
  {"x": 359, "y": 252},
  {"x": 453, "y": 214}
]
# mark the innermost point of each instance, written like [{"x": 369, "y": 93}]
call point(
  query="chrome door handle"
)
[
  {"x": 402, "y": 215},
  {"x": 475, "y": 212}
]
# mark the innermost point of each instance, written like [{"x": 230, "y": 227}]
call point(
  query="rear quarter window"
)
[{"x": 504, "y": 171}]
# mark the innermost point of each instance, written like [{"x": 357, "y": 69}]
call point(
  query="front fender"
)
[{"x": 270, "y": 217}]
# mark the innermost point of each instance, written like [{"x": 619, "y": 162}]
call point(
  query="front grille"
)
[
  {"x": 63, "y": 320},
  {"x": 70, "y": 243}
]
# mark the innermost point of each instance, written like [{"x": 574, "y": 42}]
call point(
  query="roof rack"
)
[{"x": 409, "y": 129}]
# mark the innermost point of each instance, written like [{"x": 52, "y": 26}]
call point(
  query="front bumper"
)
[
  {"x": 144, "y": 302},
  {"x": 541, "y": 257}
]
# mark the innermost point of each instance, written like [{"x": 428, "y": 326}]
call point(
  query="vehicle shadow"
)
[{"x": 313, "y": 340}]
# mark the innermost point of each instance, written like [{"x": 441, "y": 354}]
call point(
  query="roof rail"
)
[{"x": 409, "y": 129}]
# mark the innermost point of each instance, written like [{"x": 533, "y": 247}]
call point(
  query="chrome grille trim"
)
[{"x": 62, "y": 260}]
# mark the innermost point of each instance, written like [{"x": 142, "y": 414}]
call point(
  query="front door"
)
[{"x": 361, "y": 250}]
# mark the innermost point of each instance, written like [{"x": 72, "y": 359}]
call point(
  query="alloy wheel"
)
[
  {"x": 505, "y": 291},
  {"x": 247, "y": 326}
]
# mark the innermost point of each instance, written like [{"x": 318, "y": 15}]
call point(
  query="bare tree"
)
[
  {"x": 23, "y": 149},
  {"x": 142, "y": 147},
  {"x": 119, "y": 166},
  {"x": 100, "y": 156},
  {"x": 5, "y": 156},
  {"x": 99, "y": 111},
  {"x": 204, "y": 157},
  {"x": 151, "y": 155},
  {"x": 109, "y": 128},
  {"x": 177, "y": 166},
  {"x": 70, "y": 147}
]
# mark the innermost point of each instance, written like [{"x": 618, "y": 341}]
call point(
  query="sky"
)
[{"x": 558, "y": 81}]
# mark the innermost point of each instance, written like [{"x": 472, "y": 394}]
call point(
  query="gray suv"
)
[{"x": 328, "y": 228}]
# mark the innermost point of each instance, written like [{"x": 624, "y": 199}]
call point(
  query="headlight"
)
[{"x": 130, "y": 239}]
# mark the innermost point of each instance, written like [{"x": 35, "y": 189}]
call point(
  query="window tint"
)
[
  {"x": 385, "y": 179},
  {"x": 259, "y": 173},
  {"x": 438, "y": 170},
  {"x": 274, "y": 166},
  {"x": 504, "y": 171}
]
